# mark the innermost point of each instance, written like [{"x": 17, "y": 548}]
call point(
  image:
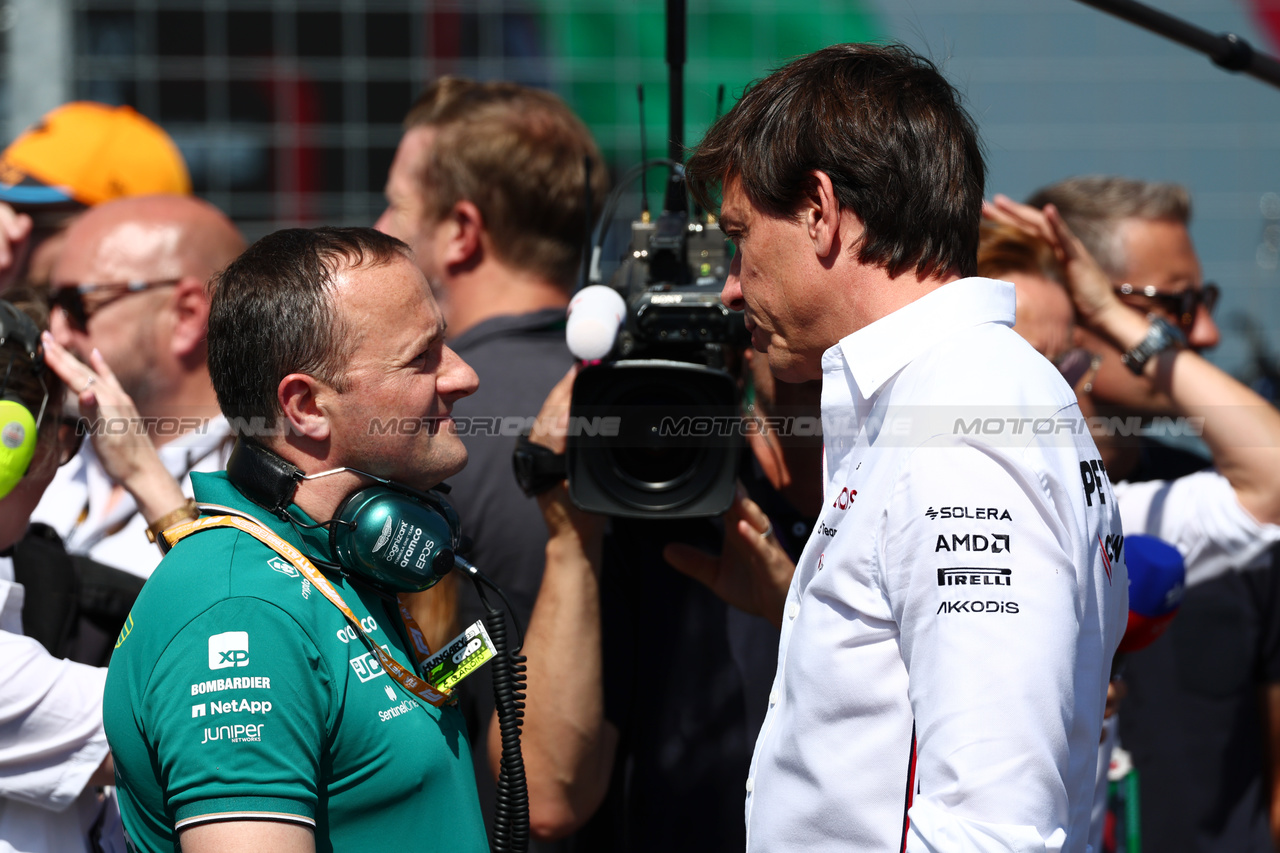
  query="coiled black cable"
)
[{"x": 511, "y": 807}]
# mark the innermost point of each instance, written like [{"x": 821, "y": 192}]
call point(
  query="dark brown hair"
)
[
  {"x": 271, "y": 313},
  {"x": 519, "y": 155},
  {"x": 889, "y": 131}
]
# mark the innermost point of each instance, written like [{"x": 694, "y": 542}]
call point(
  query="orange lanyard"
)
[{"x": 418, "y": 687}]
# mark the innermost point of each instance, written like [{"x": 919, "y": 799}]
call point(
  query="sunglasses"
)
[
  {"x": 70, "y": 297},
  {"x": 1183, "y": 305}
]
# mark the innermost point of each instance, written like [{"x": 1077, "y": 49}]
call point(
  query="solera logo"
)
[{"x": 229, "y": 649}]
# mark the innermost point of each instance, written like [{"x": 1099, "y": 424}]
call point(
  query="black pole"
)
[
  {"x": 676, "y": 199},
  {"x": 675, "y": 64},
  {"x": 1227, "y": 50}
]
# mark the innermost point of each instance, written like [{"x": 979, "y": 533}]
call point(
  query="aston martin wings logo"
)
[{"x": 385, "y": 535}]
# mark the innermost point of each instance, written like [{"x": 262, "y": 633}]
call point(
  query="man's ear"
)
[
  {"x": 190, "y": 306},
  {"x": 464, "y": 241},
  {"x": 820, "y": 211},
  {"x": 300, "y": 398}
]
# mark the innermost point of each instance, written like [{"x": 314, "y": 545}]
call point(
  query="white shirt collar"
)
[{"x": 876, "y": 352}]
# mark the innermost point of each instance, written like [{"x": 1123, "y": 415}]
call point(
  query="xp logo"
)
[
  {"x": 229, "y": 649},
  {"x": 283, "y": 567},
  {"x": 845, "y": 498},
  {"x": 384, "y": 536}
]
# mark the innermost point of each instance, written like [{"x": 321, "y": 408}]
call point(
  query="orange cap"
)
[{"x": 91, "y": 153}]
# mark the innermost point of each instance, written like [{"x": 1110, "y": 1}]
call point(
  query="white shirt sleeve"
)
[
  {"x": 51, "y": 737},
  {"x": 999, "y": 632},
  {"x": 1201, "y": 517}
]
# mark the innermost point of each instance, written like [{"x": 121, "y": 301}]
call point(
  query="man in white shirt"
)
[
  {"x": 948, "y": 632},
  {"x": 130, "y": 283}
]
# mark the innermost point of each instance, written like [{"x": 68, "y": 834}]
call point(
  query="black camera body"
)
[{"x": 664, "y": 386}]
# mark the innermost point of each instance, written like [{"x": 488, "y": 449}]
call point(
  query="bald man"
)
[{"x": 130, "y": 283}]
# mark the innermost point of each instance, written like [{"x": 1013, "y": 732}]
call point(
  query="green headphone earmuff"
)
[
  {"x": 18, "y": 426},
  {"x": 395, "y": 538},
  {"x": 402, "y": 541}
]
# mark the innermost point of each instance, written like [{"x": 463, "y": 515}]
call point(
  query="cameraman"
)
[{"x": 645, "y": 689}]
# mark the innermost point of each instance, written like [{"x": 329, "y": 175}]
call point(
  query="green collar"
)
[{"x": 217, "y": 489}]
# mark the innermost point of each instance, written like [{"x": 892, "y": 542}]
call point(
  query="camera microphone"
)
[{"x": 595, "y": 315}]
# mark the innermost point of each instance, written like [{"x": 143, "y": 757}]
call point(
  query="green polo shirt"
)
[{"x": 238, "y": 691}]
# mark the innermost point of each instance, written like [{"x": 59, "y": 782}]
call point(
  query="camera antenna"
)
[
  {"x": 587, "y": 220},
  {"x": 644, "y": 153},
  {"x": 698, "y": 212},
  {"x": 677, "y": 198}
]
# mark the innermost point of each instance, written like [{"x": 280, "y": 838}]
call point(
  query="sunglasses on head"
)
[
  {"x": 69, "y": 296},
  {"x": 1182, "y": 305}
]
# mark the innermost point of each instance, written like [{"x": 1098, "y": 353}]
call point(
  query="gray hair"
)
[{"x": 1094, "y": 206}]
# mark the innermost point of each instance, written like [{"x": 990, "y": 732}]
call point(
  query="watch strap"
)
[
  {"x": 537, "y": 468},
  {"x": 1161, "y": 335}
]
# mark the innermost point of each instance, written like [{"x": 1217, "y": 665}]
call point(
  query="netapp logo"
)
[
  {"x": 235, "y": 706},
  {"x": 972, "y": 576},
  {"x": 976, "y": 542},
  {"x": 977, "y": 513},
  {"x": 229, "y": 649},
  {"x": 977, "y": 607}
]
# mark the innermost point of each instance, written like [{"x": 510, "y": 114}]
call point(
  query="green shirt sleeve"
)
[{"x": 240, "y": 707}]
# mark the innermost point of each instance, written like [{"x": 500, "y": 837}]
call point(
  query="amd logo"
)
[{"x": 975, "y": 542}]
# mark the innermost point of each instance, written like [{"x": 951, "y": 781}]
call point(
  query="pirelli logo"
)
[{"x": 971, "y": 576}]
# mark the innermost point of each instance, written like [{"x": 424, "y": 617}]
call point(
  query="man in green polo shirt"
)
[{"x": 244, "y": 710}]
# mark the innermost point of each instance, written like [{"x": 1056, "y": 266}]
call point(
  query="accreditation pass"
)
[{"x": 463, "y": 655}]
